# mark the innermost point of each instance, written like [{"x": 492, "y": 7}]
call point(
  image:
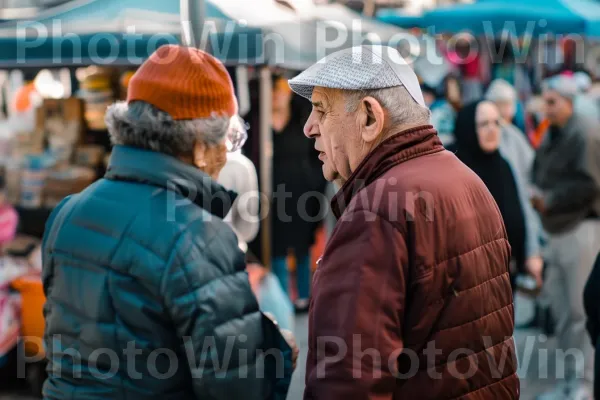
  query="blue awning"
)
[
  {"x": 395, "y": 17},
  {"x": 118, "y": 32},
  {"x": 492, "y": 17}
]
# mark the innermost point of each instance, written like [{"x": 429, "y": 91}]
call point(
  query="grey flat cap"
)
[{"x": 359, "y": 68}]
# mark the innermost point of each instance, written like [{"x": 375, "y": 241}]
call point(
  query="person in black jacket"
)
[{"x": 591, "y": 302}]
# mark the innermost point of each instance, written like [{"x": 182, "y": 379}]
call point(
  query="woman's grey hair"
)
[
  {"x": 501, "y": 91},
  {"x": 140, "y": 124},
  {"x": 402, "y": 108}
]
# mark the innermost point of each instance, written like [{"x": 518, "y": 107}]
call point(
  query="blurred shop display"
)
[
  {"x": 45, "y": 152},
  {"x": 96, "y": 89},
  {"x": 21, "y": 315}
]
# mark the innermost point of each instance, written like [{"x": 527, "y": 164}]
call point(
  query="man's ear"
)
[{"x": 372, "y": 119}]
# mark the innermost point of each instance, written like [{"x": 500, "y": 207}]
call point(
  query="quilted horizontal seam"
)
[
  {"x": 142, "y": 245},
  {"x": 83, "y": 262},
  {"x": 74, "y": 311},
  {"x": 193, "y": 288},
  {"x": 475, "y": 319},
  {"x": 491, "y": 242},
  {"x": 468, "y": 289},
  {"x": 429, "y": 271},
  {"x": 132, "y": 238},
  {"x": 444, "y": 363},
  {"x": 502, "y": 275}
]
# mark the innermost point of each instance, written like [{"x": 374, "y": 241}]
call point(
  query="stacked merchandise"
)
[
  {"x": 51, "y": 160},
  {"x": 96, "y": 89},
  {"x": 21, "y": 301}
]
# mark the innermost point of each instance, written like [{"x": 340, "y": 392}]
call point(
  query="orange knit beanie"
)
[{"x": 184, "y": 82}]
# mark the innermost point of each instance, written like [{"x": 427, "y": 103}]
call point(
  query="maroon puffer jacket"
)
[{"x": 412, "y": 298}]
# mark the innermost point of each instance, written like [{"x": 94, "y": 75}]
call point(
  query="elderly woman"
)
[
  {"x": 478, "y": 137},
  {"x": 143, "y": 278},
  {"x": 515, "y": 148}
]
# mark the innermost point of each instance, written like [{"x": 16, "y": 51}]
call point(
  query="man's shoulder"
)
[
  {"x": 416, "y": 184},
  {"x": 432, "y": 172}
]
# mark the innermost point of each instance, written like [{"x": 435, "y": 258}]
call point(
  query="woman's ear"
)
[
  {"x": 200, "y": 155},
  {"x": 372, "y": 120}
]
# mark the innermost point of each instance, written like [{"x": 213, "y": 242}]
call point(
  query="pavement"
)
[{"x": 535, "y": 352}]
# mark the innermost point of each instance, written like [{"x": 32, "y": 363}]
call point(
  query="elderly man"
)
[
  {"x": 566, "y": 172},
  {"x": 412, "y": 297},
  {"x": 147, "y": 291}
]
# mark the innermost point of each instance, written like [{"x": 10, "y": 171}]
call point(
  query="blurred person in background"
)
[
  {"x": 515, "y": 148},
  {"x": 466, "y": 59},
  {"x": 478, "y": 137},
  {"x": 537, "y": 121},
  {"x": 504, "y": 95},
  {"x": 239, "y": 175},
  {"x": 418, "y": 246},
  {"x": 143, "y": 257},
  {"x": 566, "y": 173},
  {"x": 584, "y": 103},
  {"x": 9, "y": 219},
  {"x": 592, "y": 310},
  {"x": 453, "y": 93},
  {"x": 443, "y": 113},
  {"x": 510, "y": 70},
  {"x": 296, "y": 175}
]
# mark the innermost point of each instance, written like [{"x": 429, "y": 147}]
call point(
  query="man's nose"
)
[{"x": 310, "y": 127}]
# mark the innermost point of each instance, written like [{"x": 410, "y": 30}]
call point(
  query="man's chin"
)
[{"x": 329, "y": 174}]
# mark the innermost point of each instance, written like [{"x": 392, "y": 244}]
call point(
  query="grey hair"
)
[
  {"x": 403, "y": 109},
  {"x": 142, "y": 125},
  {"x": 501, "y": 91}
]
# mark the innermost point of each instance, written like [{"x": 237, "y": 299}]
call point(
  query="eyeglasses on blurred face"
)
[
  {"x": 237, "y": 134},
  {"x": 488, "y": 123}
]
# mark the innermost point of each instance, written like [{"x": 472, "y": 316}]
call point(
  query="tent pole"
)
[
  {"x": 192, "y": 22},
  {"x": 266, "y": 157},
  {"x": 369, "y": 8}
]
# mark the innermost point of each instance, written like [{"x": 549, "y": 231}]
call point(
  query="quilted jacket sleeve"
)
[
  {"x": 223, "y": 333},
  {"x": 358, "y": 308}
]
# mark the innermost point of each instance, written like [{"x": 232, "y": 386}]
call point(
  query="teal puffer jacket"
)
[{"x": 147, "y": 294}]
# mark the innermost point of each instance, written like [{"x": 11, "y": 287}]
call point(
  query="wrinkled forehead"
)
[{"x": 324, "y": 97}]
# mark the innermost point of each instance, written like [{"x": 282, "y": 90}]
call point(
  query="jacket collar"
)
[
  {"x": 161, "y": 170},
  {"x": 400, "y": 147}
]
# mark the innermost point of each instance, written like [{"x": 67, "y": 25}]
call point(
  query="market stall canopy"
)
[
  {"x": 399, "y": 18},
  {"x": 535, "y": 17},
  {"x": 125, "y": 32},
  {"x": 324, "y": 29}
]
